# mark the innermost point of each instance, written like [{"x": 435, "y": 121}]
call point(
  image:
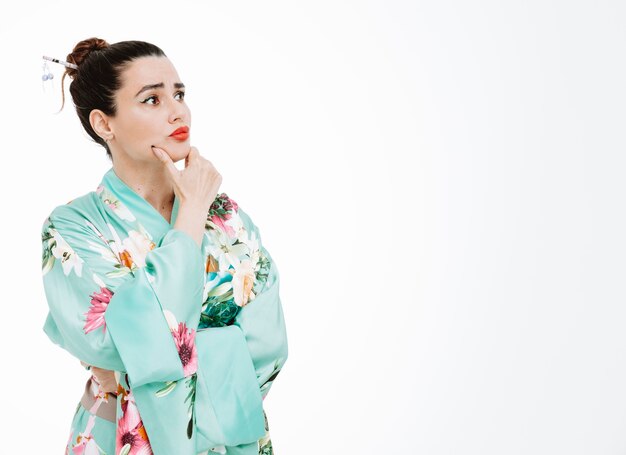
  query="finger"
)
[
  {"x": 193, "y": 153},
  {"x": 166, "y": 160},
  {"x": 191, "y": 157},
  {"x": 187, "y": 158}
]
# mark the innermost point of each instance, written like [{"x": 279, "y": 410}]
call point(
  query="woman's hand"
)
[
  {"x": 106, "y": 379},
  {"x": 196, "y": 185}
]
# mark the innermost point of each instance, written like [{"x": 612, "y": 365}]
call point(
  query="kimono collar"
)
[{"x": 133, "y": 208}]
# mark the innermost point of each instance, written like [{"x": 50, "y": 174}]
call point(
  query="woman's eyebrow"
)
[{"x": 159, "y": 85}]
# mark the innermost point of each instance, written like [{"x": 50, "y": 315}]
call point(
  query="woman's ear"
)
[{"x": 100, "y": 123}]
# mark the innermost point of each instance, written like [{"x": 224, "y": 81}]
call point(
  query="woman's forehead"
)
[{"x": 148, "y": 71}]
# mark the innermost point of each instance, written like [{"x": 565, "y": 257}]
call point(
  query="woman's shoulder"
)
[{"x": 77, "y": 210}]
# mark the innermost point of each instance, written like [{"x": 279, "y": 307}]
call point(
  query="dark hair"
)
[{"x": 98, "y": 76}]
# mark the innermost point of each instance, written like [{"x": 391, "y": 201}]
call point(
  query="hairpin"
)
[
  {"x": 62, "y": 62},
  {"x": 47, "y": 75}
]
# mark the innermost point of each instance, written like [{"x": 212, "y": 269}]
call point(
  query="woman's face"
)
[{"x": 150, "y": 107}]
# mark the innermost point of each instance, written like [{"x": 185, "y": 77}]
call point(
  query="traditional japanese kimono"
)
[{"x": 195, "y": 335}]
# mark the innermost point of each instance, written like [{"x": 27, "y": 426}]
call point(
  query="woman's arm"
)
[{"x": 120, "y": 321}]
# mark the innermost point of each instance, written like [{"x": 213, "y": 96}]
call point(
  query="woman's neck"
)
[{"x": 151, "y": 182}]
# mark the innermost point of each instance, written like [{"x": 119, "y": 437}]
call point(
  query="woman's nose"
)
[{"x": 177, "y": 111}]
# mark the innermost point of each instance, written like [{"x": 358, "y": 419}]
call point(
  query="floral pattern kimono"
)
[{"x": 195, "y": 335}]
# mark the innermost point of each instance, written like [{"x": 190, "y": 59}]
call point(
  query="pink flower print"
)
[
  {"x": 220, "y": 223},
  {"x": 186, "y": 347},
  {"x": 131, "y": 432},
  {"x": 227, "y": 204},
  {"x": 231, "y": 204},
  {"x": 86, "y": 445},
  {"x": 95, "y": 315}
]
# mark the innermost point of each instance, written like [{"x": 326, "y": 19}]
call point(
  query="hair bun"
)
[{"x": 81, "y": 51}]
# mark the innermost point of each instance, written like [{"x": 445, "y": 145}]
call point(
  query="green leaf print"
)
[
  {"x": 219, "y": 314},
  {"x": 191, "y": 397},
  {"x": 170, "y": 385}
]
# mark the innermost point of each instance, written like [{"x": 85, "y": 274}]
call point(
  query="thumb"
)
[
  {"x": 166, "y": 160},
  {"x": 191, "y": 156}
]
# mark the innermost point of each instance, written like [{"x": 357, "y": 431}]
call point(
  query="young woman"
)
[{"x": 159, "y": 285}]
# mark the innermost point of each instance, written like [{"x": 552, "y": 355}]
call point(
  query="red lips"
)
[{"x": 181, "y": 133}]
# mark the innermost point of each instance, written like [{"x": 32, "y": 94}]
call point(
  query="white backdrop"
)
[{"x": 440, "y": 184}]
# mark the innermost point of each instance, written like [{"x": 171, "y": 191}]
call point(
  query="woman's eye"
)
[
  {"x": 155, "y": 98},
  {"x": 148, "y": 99}
]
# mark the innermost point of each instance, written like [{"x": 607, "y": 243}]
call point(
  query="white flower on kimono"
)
[
  {"x": 102, "y": 247},
  {"x": 137, "y": 246},
  {"x": 89, "y": 448},
  {"x": 243, "y": 282},
  {"x": 171, "y": 320},
  {"x": 118, "y": 208},
  {"x": 95, "y": 315},
  {"x": 131, "y": 437},
  {"x": 236, "y": 225},
  {"x": 123, "y": 256},
  {"x": 214, "y": 287},
  {"x": 264, "y": 442},
  {"x": 224, "y": 250},
  {"x": 85, "y": 443},
  {"x": 69, "y": 259},
  {"x": 254, "y": 245},
  {"x": 104, "y": 251}
]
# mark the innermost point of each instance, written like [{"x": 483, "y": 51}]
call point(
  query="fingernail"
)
[{"x": 157, "y": 152}]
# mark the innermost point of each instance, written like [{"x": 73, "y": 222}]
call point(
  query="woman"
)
[{"x": 155, "y": 282}]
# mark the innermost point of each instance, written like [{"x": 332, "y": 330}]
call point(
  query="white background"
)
[{"x": 440, "y": 183}]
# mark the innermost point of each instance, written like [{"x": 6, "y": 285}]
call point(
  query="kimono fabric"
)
[{"x": 195, "y": 334}]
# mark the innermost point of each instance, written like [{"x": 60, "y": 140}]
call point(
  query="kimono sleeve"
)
[
  {"x": 262, "y": 322},
  {"x": 249, "y": 355},
  {"x": 116, "y": 320}
]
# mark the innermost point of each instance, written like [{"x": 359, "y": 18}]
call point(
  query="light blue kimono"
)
[{"x": 195, "y": 335}]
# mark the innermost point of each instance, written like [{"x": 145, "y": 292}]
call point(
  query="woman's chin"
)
[
  {"x": 180, "y": 149},
  {"x": 177, "y": 152},
  {"x": 177, "y": 156}
]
